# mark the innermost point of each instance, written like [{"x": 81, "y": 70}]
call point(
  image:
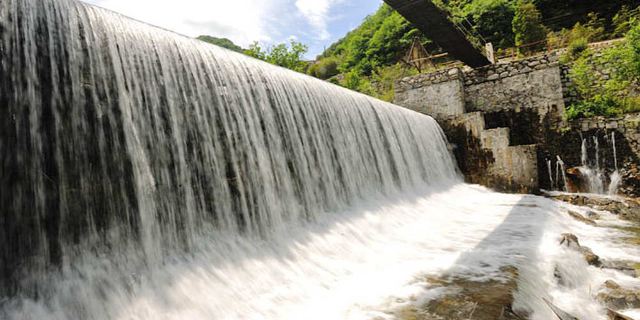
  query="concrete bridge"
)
[{"x": 435, "y": 24}]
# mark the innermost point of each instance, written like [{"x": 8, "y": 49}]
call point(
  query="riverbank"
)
[{"x": 585, "y": 265}]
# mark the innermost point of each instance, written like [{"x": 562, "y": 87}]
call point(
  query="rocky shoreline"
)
[{"x": 466, "y": 298}]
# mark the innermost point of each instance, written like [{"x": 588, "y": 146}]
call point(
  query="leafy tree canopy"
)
[
  {"x": 288, "y": 56},
  {"x": 222, "y": 42}
]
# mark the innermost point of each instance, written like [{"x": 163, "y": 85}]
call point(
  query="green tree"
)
[
  {"x": 527, "y": 27},
  {"x": 492, "y": 19},
  {"x": 288, "y": 56},
  {"x": 221, "y": 42},
  {"x": 614, "y": 95},
  {"x": 324, "y": 68},
  {"x": 624, "y": 20}
]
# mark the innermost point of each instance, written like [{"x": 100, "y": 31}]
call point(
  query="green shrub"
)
[
  {"x": 385, "y": 78},
  {"x": 324, "y": 69},
  {"x": 624, "y": 20},
  {"x": 577, "y": 47},
  {"x": 527, "y": 27},
  {"x": 282, "y": 55},
  {"x": 616, "y": 94},
  {"x": 598, "y": 106}
]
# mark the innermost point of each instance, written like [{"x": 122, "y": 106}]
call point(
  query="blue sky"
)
[{"x": 316, "y": 23}]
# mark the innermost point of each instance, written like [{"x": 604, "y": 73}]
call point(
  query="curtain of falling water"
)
[{"x": 121, "y": 138}]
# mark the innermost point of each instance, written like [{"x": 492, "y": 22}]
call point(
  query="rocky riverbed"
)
[{"x": 616, "y": 288}]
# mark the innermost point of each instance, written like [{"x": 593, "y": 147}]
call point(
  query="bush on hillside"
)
[
  {"x": 615, "y": 95},
  {"x": 491, "y": 19},
  {"x": 288, "y": 56},
  {"x": 324, "y": 68},
  {"x": 528, "y": 28}
]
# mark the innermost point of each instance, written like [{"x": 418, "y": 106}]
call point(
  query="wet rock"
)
[
  {"x": 581, "y": 218},
  {"x": 630, "y": 268},
  {"x": 591, "y": 258},
  {"x": 625, "y": 208},
  {"x": 592, "y": 215},
  {"x": 561, "y": 314},
  {"x": 613, "y": 315},
  {"x": 610, "y": 284},
  {"x": 559, "y": 277},
  {"x": 469, "y": 299},
  {"x": 616, "y": 297},
  {"x": 576, "y": 181},
  {"x": 571, "y": 241}
]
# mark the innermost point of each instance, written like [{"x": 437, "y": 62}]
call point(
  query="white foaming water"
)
[
  {"x": 595, "y": 176},
  {"x": 552, "y": 182},
  {"x": 358, "y": 264}
]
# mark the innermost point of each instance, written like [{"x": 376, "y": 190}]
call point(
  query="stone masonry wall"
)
[
  {"x": 506, "y": 121},
  {"x": 527, "y": 83},
  {"x": 486, "y": 155},
  {"x": 439, "y": 94}
]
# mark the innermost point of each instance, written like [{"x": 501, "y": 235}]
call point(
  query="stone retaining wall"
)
[
  {"x": 532, "y": 82},
  {"x": 439, "y": 94},
  {"x": 524, "y": 100},
  {"x": 486, "y": 155}
]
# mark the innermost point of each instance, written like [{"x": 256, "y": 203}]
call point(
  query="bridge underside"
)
[{"x": 435, "y": 24}]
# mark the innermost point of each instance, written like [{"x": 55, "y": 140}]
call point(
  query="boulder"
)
[
  {"x": 617, "y": 298},
  {"x": 469, "y": 299},
  {"x": 613, "y": 315},
  {"x": 581, "y": 218},
  {"x": 571, "y": 241},
  {"x": 630, "y": 268},
  {"x": 625, "y": 208}
]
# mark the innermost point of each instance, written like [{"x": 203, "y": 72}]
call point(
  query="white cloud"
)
[
  {"x": 242, "y": 21},
  {"x": 317, "y": 14}
]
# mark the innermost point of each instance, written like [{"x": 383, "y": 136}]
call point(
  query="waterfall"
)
[
  {"x": 615, "y": 178},
  {"x": 552, "y": 183},
  {"x": 146, "y": 175},
  {"x": 131, "y": 142},
  {"x": 560, "y": 167},
  {"x": 591, "y": 173},
  {"x": 595, "y": 174}
]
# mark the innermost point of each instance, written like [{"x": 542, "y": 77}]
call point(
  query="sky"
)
[{"x": 316, "y": 23}]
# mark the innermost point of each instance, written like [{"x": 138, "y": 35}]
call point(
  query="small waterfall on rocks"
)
[
  {"x": 595, "y": 173},
  {"x": 615, "y": 178},
  {"x": 592, "y": 170},
  {"x": 146, "y": 175},
  {"x": 561, "y": 172}
]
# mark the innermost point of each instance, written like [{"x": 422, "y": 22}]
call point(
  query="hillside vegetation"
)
[{"x": 370, "y": 58}]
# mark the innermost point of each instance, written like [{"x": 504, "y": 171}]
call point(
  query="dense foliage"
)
[
  {"x": 530, "y": 33},
  {"x": 370, "y": 58},
  {"x": 381, "y": 40},
  {"x": 222, "y": 42},
  {"x": 288, "y": 56},
  {"x": 614, "y": 94},
  {"x": 379, "y": 44}
]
